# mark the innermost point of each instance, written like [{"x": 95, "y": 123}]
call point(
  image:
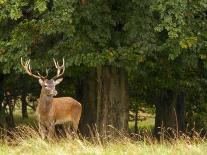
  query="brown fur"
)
[
  {"x": 52, "y": 111},
  {"x": 61, "y": 109}
]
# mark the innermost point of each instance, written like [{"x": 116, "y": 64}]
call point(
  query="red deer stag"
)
[{"x": 52, "y": 111}]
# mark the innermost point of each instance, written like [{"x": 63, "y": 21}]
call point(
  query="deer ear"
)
[
  {"x": 58, "y": 81},
  {"x": 41, "y": 82}
]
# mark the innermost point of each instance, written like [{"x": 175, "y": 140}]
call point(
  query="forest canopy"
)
[{"x": 121, "y": 55}]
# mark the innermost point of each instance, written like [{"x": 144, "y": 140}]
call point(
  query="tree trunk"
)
[
  {"x": 2, "y": 112},
  {"x": 165, "y": 119},
  {"x": 24, "y": 106},
  {"x": 87, "y": 94},
  {"x": 135, "y": 122},
  {"x": 180, "y": 109},
  {"x": 1, "y": 92},
  {"x": 10, "y": 116},
  {"x": 112, "y": 101}
]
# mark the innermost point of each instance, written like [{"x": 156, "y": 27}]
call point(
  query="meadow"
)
[{"x": 26, "y": 140}]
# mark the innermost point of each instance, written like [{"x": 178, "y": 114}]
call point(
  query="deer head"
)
[{"x": 48, "y": 85}]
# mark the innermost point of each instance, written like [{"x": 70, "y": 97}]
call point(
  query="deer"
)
[{"x": 50, "y": 110}]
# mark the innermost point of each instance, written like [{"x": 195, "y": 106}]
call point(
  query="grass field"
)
[
  {"x": 76, "y": 147},
  {"x": 146, "y": 124},
  {"x": 26, "y": 141},
  {"x": 31, "y": 120}
]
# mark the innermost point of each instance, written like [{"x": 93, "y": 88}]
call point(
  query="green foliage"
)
[
  {"x": 41, "y": 5},
  {"x": 121, "y": 34},
  {"x": 161, "y": 43},
  {"x": 92, "y": 34}
]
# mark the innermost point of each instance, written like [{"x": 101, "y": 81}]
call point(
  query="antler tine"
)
[
  {"x": 43, "y": 77},
  {"x": 46, "y": 72},
  {"x": 55, "y": 62},
  {"x": 22, "y": 62},
  {"x": 28, "y": 69},
  {"x": 59, "y": 68}
]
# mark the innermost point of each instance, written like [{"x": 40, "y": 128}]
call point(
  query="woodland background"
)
[{"x": 122, "y": 57}]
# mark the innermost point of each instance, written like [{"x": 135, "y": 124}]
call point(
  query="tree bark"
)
[
  {"x": 24, "y": 106},
  {"x": 165, "y": 119},
  {"x": 180, "y": 111},
  {"x": 2, "y": 112},
  {"x": 136, "y": 122},
  {"x": 87, "y": 94},
  {"x": 9, "y": 116},
  {"x": 112, "y": 101}
]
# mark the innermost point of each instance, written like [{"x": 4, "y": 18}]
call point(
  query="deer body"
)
[
  {"x": 51, "y": 111},
  {"x": 59, "y": 110}
]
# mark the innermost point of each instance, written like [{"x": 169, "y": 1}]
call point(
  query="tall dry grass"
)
[{"x": 26, "y": 140}]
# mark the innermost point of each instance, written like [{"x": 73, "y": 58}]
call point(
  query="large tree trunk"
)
[
  {"x": 87, "y": 94},
  {"x": 10, "y": 117},
  {"x": 2, "y": 112},
  {"x": 112, "y": 101},
  {"x": 180, "y": 111},
  {"x": 165, "y": 119},
  {"x": 24, "y": 105},
  {"x": 136, "y": 121}
]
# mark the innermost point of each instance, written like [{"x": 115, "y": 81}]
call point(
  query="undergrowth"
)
[{"x": 26, "y": 140}]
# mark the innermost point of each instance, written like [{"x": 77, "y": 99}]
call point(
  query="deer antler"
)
[
  {"x": 28, "y": 69},
  {"x": 60, "y": 69}
]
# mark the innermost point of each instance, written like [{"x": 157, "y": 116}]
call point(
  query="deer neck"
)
[{"x": 45, "y": 102}]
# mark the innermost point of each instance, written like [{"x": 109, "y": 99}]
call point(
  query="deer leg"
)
[
  {"x": 42, "y": 130},
  {"x": 75, "y": 127},
  {"x": 51, "y": 130},
  {"x": 67, "y": 129},
  {"x": 59, "y": 130}
]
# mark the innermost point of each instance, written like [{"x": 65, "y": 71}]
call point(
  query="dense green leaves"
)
[{"x": 162, "y": 43}]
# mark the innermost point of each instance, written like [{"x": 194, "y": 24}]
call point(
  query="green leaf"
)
[{"x": 41, "y": 5}]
